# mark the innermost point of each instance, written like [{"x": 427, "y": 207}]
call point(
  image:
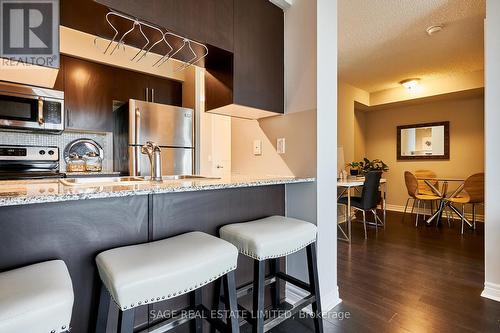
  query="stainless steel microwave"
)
[{"x": 28, "y": 108}]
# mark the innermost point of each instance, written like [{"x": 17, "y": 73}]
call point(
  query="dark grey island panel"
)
[
  {"x": 207, "y": 211},
  {"x": 76, "y": 231}
]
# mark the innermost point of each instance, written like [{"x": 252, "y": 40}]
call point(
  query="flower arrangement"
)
[{"x": 366, "y": 165}]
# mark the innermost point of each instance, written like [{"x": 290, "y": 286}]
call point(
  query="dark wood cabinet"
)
[
  {"x": 258, "y": 55},
  {"x": 164, "y": 92},
  {"x": 245, "y": 63},
  {"x": 253, "y": 76},
  {"x": 88, "y": 95},
  {"x": 129, "y": 85},
  {"x": 206, "y": 21},
  {"x": 90, "y": 89}
]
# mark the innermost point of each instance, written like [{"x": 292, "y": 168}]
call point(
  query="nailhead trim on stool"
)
[
  {"x": 256, "y": 257},
  {"x": 177, "y": 294}
]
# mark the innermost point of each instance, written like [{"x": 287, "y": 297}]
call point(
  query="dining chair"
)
[
  {"x": 423, "y": 187},
  {"x": 412, "y": 186},
  {"x": 369, "y": 199},
  {"x": 471, "y": 194}
]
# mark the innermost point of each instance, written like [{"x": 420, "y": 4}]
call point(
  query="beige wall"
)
[
  {"x": 466, "y": 140},
  {"x": 359, "y": 135},
  {"x": 299, "y": 130},
  {"x": 349, "y": 128}
]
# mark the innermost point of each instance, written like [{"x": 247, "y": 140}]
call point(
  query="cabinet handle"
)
[
  {"x": 147, "y": 95},
  {"x": 152, "y": 95},
  {"x": 68, "y": 117}
]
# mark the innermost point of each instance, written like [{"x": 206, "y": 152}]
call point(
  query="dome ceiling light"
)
[
  {"x": 410, "y": 84},
  {"x": 434, "y": 29}
]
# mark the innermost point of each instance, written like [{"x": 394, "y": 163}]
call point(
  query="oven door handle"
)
[{"x": 41, "y": 120}]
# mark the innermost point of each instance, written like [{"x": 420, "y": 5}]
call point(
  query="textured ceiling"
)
[{"x": 382, "y": 42}]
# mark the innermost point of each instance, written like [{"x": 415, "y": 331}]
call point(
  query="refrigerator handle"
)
[
  {"x": 137, "y": 150},
  {"x": 147, "y": 95},
  {"x": 137, "y": 159},
  {"x": 152, "y": 95}
]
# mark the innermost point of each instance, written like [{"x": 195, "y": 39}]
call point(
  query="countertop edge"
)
[{"x": 28, "y": 200}]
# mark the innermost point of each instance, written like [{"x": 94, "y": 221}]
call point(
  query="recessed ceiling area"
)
[{"x": 383, "y": 42}]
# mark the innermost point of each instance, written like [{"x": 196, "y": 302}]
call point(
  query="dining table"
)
[
  {"x": 444, "y": 200},
  {"x": 347, "y": 186}
]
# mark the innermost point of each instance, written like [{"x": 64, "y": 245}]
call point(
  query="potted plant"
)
[
  {"x": 354, "y": 168},
  {"x": 375, "y": 165}
]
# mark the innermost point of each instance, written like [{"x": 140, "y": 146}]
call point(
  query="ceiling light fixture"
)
[
  {"x": 434, "y": 29},
  {"x": 410, "y": 84}
]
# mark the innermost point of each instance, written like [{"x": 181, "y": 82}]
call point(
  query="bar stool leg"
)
[
  {"x": 259, "y": 271},
  {"x": 232, "y": 302},
  {"x": 275, "y": 287},
  {"x": 474, "y": 215},
  {"x": 314, "y": 283},
  {"x": 126, "y": 321},
  {"x": 196, "y": 297},
  {"x": 216, "y": 304},
  {"x": 463, "y": 219},
  {"x": 103, "y": 312}
]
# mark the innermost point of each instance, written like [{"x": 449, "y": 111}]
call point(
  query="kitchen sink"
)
[{"x": 132, "y": 180}]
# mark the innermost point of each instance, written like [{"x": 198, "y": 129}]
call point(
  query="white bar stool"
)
[
  {"x": 272, "y": 238},
  {"x": 36, "y": 299},
  {"x": 148, "y": 273}
]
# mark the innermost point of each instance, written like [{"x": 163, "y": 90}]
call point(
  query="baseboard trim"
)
[
  {"x": 491, "y": 291},
  {"x": 294, "y": 294},
  {"x": 397, "y": 208}
]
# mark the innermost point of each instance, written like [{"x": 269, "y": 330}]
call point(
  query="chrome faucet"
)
[{"x": 154, "y": 154}]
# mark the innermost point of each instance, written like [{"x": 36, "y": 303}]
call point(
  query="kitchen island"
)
[{"x": 45, "y": 219}]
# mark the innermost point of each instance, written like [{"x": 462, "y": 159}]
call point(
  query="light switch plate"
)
[
  {"x": 280, "y": 145},
  {"x": 257, "y": 147}
]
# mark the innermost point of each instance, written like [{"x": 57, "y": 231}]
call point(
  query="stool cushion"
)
[
  {"x": 36, "y": 298},
  {"x": 152, "y": 272},
  {"x": 270, "y": 237}
]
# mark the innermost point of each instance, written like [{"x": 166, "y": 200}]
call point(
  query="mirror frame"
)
[{"x": 446, "y": 155}]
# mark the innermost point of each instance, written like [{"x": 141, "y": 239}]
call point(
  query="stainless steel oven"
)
[
  {"x": 29, "y": 162},
  {"x": 31, "y": 108}
]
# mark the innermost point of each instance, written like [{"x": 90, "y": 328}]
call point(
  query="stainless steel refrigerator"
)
[{"x": 170, "y": 127}]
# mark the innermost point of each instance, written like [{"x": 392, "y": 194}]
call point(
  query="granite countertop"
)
[{"x": 25, "y": 192}]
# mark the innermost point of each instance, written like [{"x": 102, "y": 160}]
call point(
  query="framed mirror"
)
[{"x": 429, "y": 141}]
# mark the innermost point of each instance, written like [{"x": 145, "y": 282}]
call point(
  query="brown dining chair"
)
[
  {"x": 412, "y": 187},
  {"x": 471, "y": 194},
  {"x": 423, "y": 187}
]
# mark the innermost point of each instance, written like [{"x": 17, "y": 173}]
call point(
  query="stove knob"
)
[
  {"x": 51, "y": 152},
  {"x": 42, "y": 152}
]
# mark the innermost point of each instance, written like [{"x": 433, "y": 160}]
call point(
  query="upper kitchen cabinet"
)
[
  {"x": 207, "y": 21},
  {"x": 91, "y": 88},
  {"x": 250, "y": 82},
  {"x": 164, "y": 91},
  {"x": 88, "y": 95}
]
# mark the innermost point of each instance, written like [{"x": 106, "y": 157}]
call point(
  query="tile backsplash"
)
[{"x": 105, "y": 139}]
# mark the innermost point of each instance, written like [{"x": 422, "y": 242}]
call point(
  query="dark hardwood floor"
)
[{"x": 407, "y": 279}]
